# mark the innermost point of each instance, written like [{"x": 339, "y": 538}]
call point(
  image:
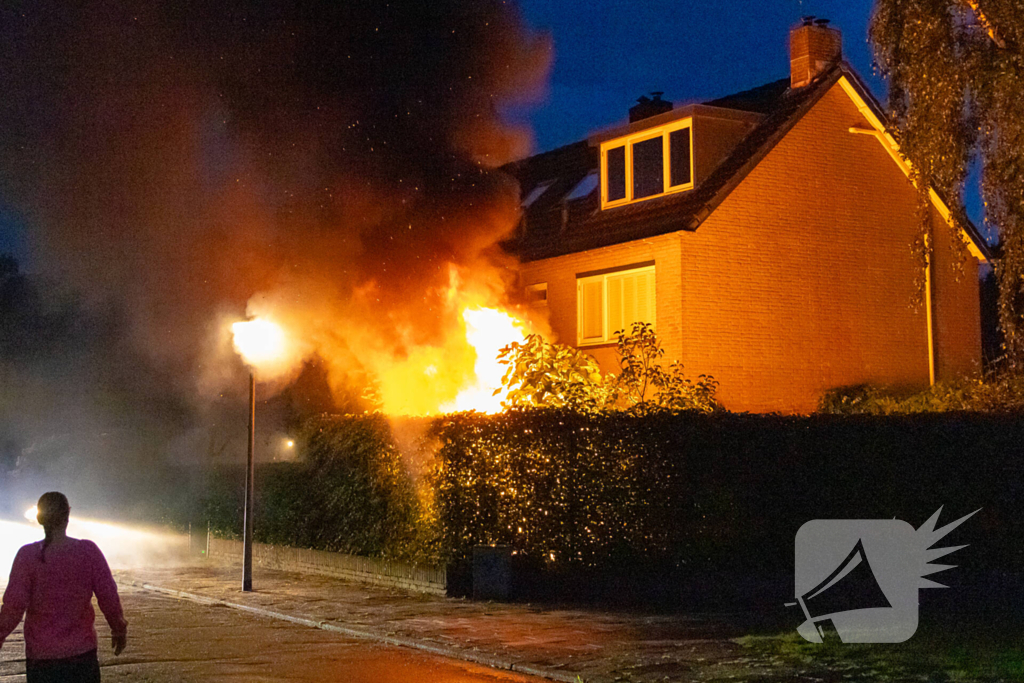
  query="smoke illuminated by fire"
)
[{"x": 327, "y": 169}]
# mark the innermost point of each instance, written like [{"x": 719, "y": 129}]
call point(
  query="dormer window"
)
[{"x": 647, "y": 163}]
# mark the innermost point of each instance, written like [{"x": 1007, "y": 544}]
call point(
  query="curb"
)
[{"x": 450, "y": 653}]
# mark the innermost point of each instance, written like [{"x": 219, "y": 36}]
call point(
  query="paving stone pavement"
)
[{"x": 565, "y": 643}]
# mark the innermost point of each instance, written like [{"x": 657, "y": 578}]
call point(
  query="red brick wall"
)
[
  {"x": 802, "y": 280},
  {"x": 560, "y": 274}
]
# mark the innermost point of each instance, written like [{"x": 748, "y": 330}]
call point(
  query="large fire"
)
[
  {"x": 460, "y": 372},
  {"x": 488, "y": 330}
]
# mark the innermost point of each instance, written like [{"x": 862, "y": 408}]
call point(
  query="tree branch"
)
[{"x": 983, "y": 20}]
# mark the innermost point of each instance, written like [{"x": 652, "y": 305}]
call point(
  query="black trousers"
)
[{"x": 84, "y": 668}]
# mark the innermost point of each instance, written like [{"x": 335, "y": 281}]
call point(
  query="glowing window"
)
[
  {"x": 646, "y": 164},
  {"x": 612, "y": 301}
]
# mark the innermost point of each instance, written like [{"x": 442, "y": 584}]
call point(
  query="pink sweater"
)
[{"x": 56, "y": 598}]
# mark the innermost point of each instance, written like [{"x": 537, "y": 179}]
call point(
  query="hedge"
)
[
  {"x": 350, "y": 493},
  {"x": 722, "y": 491},
  {"x": 707, "y": 493}
]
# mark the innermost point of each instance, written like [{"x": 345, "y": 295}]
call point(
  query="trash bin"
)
[{"x": 492, "y": 572}]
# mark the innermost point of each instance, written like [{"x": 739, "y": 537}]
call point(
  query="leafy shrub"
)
[
  {"x": 997, "y": 392},
  {"x": 542, "y": 374},
  {"x": 352, "y": 493},
  {"x": 643, "y": 384},
  {"x": 554, "y": 375}
]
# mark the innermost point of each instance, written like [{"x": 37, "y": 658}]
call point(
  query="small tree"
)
[
  {"x": 544, "y": 374},
  {"x": 554, "y": 375},
  {"x": 644, "y": 384}
]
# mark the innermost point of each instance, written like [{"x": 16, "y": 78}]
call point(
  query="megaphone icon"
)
[{"x": 851, "y": 586}]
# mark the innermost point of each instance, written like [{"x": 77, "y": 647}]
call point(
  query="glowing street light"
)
[{"x": 259, "y": 342}]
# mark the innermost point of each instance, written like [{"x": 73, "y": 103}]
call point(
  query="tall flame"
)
[
  {"x": 455, "y": 370},
  {"x": 487, "y": 331}
]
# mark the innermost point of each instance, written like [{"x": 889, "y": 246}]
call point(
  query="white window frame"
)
[
  {"x": 607, "y": 334},
  {"x": 628, "y": 141}
]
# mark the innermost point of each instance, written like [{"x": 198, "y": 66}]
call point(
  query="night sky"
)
[{"x": 609, "y": 52}]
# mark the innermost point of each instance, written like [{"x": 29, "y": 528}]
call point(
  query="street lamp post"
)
[
  {"x": 250, "y": 472},
  {"x": 259, "y": 342}
]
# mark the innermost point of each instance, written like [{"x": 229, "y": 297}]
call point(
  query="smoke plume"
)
[{"x": 178, "y": 165}]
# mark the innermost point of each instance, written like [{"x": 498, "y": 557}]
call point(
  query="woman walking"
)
[{"x": 52, "y": 583}]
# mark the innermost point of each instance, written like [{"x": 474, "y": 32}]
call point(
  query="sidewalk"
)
[{"x": 558, "y": 643}]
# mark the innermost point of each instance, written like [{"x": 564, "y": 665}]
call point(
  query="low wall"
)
[{"x": 430, "y": 580}]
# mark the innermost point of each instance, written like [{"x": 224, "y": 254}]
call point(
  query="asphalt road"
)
[{"x": 174, "y": 641}]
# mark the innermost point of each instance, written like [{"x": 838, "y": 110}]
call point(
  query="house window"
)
[
  {"x": 537, "y": 295},
  {"x": 647, "y": 164},
  {"x": 610, "y": 301},
  {"x": 584, "y": 187},
  {"x": 535, "y": 193}
]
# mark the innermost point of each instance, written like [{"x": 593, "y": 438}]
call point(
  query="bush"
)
[
  {"x": 351, "y": 494},
  {"x": 545, "y": 375},
  {"x": 720, "y": 492},
  {"x": 997, "y": 392}
]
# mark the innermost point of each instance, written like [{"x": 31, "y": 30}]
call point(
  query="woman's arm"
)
[
  {"x": 106, "y": 596},
  {"x": 16, "y": 595}
]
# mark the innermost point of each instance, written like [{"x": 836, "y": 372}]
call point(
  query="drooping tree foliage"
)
[{"x": 956, "y": 80}]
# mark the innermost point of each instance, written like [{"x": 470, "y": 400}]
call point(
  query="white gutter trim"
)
[{"x": 888, "y": 142}]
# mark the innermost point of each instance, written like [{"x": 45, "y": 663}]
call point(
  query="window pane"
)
[
  {"x": 679, "y": 153},
  {"x": 616, "y": 174},
  {"x": 583, "y": 188},
  {"x": 615, "y": 305},
  {"x": 630, "y": 300},
  {"x": 648, "y": 168},
  {"x": 592, "y": 310}
]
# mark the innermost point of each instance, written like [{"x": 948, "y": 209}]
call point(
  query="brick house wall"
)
[{"x": 802, "y": 280}]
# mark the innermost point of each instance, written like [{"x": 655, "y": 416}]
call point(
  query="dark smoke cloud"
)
[{"x": 172, "y": 160}]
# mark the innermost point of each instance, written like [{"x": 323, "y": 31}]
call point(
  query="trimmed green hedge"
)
[
  {"x": 723, "y": 491},
  {"x": 708, "y": 493},
  {"x": 351, "y": 493}
]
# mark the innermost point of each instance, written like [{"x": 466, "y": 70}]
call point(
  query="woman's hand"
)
[{"x": 118, "y": 642}]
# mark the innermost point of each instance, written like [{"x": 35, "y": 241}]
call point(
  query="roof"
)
[{"x": 559, "y": 221}]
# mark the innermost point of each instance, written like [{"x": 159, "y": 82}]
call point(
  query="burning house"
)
[{"x": 767, "y": 235}]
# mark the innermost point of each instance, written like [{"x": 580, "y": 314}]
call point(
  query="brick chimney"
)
[
  {"x": 813, "y": 48},
  {"x": 646, "y": 107}
]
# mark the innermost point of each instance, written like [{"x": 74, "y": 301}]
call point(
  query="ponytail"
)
[
  {"x": 48, "y": 530},
  {"x": 52, "y": 512}
]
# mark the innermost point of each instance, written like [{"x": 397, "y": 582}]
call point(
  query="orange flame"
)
[
  {"x": 487, "y": 331},
  {"x": 462, "y": 374},
  {"x": 457, "y": 371}
]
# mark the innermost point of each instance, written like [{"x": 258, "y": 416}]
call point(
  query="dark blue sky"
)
[{"x": 609, "y": 52}]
